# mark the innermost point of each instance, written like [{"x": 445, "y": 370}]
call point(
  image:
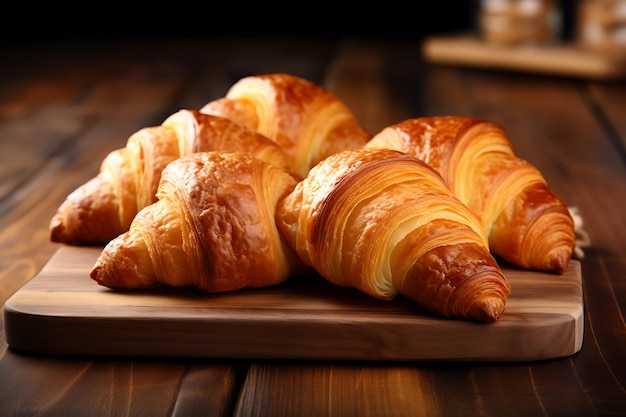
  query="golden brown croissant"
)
[
  {"x": 307, "y": 121},
  {"x": 212, "y": 227},
  {"x": 385, "y": 223},
  {"x": 104, "y": 207},
  {"x": 526, "y": 222}
]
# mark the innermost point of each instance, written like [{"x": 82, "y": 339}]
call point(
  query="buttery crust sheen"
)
[
  {"x": 526, "y": 222},
  {"x": 307, "y": 121},
  {"x": 212, "y": 227},
  {"x": 104, "y": 207},
  {"x": 385, "y": 223}
]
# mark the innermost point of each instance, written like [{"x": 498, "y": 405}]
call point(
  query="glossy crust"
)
[
  {"x": 526, "y": 222},
  {"x": 308, "y": 122},
  {"x": 104, "y": 207},
  {"x": 212, "y": 227},
  {"x": 385, "y": 223}
]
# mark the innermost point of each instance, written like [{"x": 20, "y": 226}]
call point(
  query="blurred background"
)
[
  {"x": 27, "y": 22},
  {"x": 508, "y": 22},
  {"x": 116, "y": 19}
]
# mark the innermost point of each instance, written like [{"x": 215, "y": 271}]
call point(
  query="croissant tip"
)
[
  {"x": 104, "y": 278},
  {"x": 57, "y": 230},
  {"x": 560, "y": 263},
  {"x": 487, "y": 310},
  {"x": 95, "y": 272},
  {"x": 556, "y": 262}
]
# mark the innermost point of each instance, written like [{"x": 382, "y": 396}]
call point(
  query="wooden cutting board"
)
[
  {"x": 62, "y": 311},
  {"x": 561, "y": 60}
]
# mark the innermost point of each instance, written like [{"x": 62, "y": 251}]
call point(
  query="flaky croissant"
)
[
  {"x": 104, "y": 207},
  {"x": 526, "y": 222},
  {"x": 385, "y": 223},
  {"x": 307, "y": 121},
  {"x": 212, "y": 227}
]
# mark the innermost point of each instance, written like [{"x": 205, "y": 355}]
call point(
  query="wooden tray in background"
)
[
  {"x": 561, "y": 60},
  {"x": 62, "y": 311}
]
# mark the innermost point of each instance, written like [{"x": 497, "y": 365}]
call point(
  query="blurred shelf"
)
[{"x": 564, "y": 60}]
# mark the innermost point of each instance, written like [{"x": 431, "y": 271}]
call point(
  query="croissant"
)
[
  {"x": 526, "y": 222},
  {"x": 307, "y": 121},
  {"x": 385, "y": 223},
  {"x": 212, "y": 227},
  {"x": 104, "y": 206}
]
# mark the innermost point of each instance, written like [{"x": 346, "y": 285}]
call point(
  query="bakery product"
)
[
  {"x": 526, "y": 222},
  {"x": 103, "y": 207},
  {"x": 384, "y": 222},
  {"x": 212, "y": 227},
  {"x": 307, "y": 121}
]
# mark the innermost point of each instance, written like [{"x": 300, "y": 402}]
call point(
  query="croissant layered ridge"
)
[
  {"x": 104, "y": 207},
  {"x": 385, "y": 223},
  {"x": 212, "y": 227},
  {"x": 307, "y": 121},
  {"x": 525, "y": 221}
]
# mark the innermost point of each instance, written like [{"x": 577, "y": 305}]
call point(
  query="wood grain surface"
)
[
  {"x": 64, "y": 106},
  {"x": 63, "y": 311},
  {"x": 560, "y": 59}
]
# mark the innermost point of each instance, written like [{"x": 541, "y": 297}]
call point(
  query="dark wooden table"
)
[{"x": 63, "y": 107}]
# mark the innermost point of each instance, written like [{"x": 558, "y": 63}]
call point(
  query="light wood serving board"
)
[
  {"x": 561, "y": 60},
  {"x": 62, "y": 311}
]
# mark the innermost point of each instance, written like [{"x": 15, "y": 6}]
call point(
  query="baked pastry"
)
[
  {"x": 526, "y": 222},
  {"x": 104, "y": 206},
  {"x": 307, "y": 121},
  {"x": 385, "y": 223},
  {"x": 212, "y": 227}
]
